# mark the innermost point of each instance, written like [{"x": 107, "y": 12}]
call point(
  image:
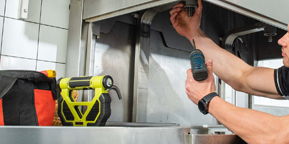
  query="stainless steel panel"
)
[
  {"x": 167, "y": 100},
  {"x": 90, "y": 51},
  {"x": 87, "y": 135},
  {"x": 277, "y": 9},
  {"x": 74, "y": 50},
  {"x": 114, "y": 55},
  {"x": 141, "y": 67},
  {"x": 270, "y": 12},
  {"x": 95, "y": 10}
]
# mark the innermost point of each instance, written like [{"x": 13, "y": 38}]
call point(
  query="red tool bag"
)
[{"x": 27, "y": 98}]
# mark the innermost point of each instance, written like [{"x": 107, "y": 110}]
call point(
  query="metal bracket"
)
[
  {"x": 140, "y": 90},
  {"x": 235, "y": 33},
  {"x": 232, "y": 35},
  {"x": 23, "y": 9}
]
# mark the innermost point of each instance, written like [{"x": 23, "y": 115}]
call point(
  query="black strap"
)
[
  {"x": 210, "y": 96},
  {"x": 6, "y": 84}
]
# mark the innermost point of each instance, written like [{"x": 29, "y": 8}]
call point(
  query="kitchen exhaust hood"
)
[{"x": 267, "y": 11}]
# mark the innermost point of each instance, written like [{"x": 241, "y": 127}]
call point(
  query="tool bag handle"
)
[
  {"x": 6, "y": 84},
  {"x": 9, "y": 77}
]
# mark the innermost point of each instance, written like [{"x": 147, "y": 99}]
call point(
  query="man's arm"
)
[
  {"x": 252, "y": 126},
  {"x": 235, "y": 72},
  {"x": 228, "y": 67}
]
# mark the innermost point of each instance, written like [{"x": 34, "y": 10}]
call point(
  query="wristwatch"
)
[{"x": 204, "y": 102}]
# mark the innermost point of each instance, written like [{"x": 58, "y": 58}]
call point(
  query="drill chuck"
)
[{"x": 191, "y": 6}]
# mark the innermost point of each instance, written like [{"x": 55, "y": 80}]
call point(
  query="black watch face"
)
[{"x": 202, "y": 106}]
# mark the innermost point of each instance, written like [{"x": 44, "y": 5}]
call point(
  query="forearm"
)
[
  {"x": 252, "y": 126},
  {"x": 226, "y": 65},
  {"x": 234, "y": 71}
]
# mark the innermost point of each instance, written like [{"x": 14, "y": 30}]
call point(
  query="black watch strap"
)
[
  {"x": 205, "y": 102},
  {"x": 209, "y": 96}
]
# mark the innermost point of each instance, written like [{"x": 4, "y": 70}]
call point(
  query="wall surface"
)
[{"x": 38, "y": 43}]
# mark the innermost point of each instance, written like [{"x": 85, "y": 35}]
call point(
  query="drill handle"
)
[{"x": 117, "y": 91}]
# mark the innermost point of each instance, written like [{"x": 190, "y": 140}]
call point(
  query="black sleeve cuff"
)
[
  {"x": 276, "y": 79},
  {"x": 281, "y": 78}
]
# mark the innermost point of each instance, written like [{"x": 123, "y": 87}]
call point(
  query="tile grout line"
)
[
  {"x": 33, "y": 59},
  {"x": 37, "y": 52},
  {"x": 37, "y": 23},
  {"x": 2, "y": 34}
]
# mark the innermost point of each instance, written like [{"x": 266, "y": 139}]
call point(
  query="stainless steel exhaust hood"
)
[
  {"x": 95, "y": 10},
  {"x": 267, "y": 11},
  {"x": 271, "y": 12}
]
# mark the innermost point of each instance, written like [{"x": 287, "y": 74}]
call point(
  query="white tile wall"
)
[
  {"x": 58, "y": 16},
  {"x": 34, "y": 8},
  {"x": 59, "y": 68},
  {"x": 20, "y": 38},
  {"x": 12, "y": 7},
  {"x": 23, "y": 42},
  {"x": 13, "y": 63},
  {"x": 52, "y": 44},
  {"x": 2, "y": 7}
]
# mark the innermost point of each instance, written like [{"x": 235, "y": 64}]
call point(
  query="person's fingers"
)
[
  {"x": 175, "y": 10},
  {"x": 199, "y": 9},
  {"x": 190, "y": 78},
  {"x": 174, "y": 20},
  {"x": 181, "y": 4},
  {"x": 189, "y": 72},
  {"x": 200, "y": 5},
  {"x": 184, "y": 14},
  {"x": 188, "y": 85},
  {"x": 210, "y": 67}
]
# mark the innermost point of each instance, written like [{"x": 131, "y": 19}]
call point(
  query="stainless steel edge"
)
[
  {"x": 99, "y": 7},
  {"x": 101, "y": 16},
  {"x": 141, "y": 72},
  {"x": 90, "y": 52},
  {"x": 103, "y": 135},
  {"x": 74, "y": 39},
  {"x": 277, "y": 9},
  {"x": 252, "y": 14}
]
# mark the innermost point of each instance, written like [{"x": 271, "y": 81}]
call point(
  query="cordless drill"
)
[
  {"x": 197, "y": 58},
  {"x": 199, "y": 68}
]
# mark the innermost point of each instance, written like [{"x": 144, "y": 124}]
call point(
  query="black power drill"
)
[
  {"x": 199, "y": 68},
  {"x": 198, "y": 63}
]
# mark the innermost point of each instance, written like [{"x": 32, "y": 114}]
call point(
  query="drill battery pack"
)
[{"x": 27, "y": 98}]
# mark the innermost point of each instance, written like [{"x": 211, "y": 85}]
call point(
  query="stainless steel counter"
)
[
  {"x": 113, "y": 133},
  {"x": 90, "y": 135}
]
